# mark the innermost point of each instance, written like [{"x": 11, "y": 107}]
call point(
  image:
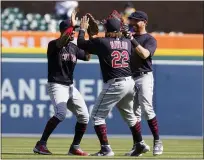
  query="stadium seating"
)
[{"x": 15, "y": 19}]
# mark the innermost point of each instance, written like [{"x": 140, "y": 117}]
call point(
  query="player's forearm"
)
[
  {"x": 81, "y": 42},
  {"x": 141, "y": 51}
]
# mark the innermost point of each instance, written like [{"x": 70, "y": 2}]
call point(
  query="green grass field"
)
[{"x": 21, "y": 148}]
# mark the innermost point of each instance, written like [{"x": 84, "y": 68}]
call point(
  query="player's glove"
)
[
  {"x": 114, "y": 14},
  {"x": 125, "y": 31},
  {"x": 93, "y": 26}
]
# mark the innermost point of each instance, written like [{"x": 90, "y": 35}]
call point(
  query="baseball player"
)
[
  {"x": 113, "y": 52},
  {"x": 141, "y": 66},
  {"x": 62, "y": 57}
]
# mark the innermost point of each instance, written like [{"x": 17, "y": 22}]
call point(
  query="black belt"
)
[
  {"x": 137, "y": 74},
  {"x": 116, "y": 79},
  {"x": 119, "y": 79}
]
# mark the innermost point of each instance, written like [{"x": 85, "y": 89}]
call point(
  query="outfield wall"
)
[{"x": 26, "y": 106}]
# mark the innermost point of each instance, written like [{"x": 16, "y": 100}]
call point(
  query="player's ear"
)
[{"x": 145, "y": 22}]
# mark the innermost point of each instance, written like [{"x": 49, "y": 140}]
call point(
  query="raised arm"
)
[
  {"x": 89, "y": 46},
  {"x": 147, "y": 50}
]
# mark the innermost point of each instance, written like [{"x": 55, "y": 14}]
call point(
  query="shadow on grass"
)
[
  {"x": 66, "y": 156},
  {"x": 12, "y": 153}
]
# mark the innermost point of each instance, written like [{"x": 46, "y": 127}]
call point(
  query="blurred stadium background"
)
[{"x": 28, "y": 26}]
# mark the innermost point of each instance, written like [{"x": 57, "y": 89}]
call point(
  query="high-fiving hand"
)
[
  {"x": 74, "y": 19},
  {"x": 84, "y": 23}
]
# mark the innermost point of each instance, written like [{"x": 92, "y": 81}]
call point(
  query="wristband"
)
[
  {"x": 82, "y": 29},
  {"x": 134, "y": 42}
]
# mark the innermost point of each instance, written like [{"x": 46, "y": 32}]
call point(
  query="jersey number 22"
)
[{"x": 119, "y": 59}]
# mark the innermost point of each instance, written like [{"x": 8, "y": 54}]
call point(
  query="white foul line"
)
[
  {"x": 96, "y": 61},
  {"x": 178, "y": 62}
]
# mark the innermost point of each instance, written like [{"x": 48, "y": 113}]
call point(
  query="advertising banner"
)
[
  {"x": 31, "y": 39},
  {"x": 26, "y": 106}
]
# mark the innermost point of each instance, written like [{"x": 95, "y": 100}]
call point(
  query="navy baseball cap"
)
[
  {"x": 113, "y": 25},
  {"x": 65, "y": 24},
  {"x": 139, "y": 15}
]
